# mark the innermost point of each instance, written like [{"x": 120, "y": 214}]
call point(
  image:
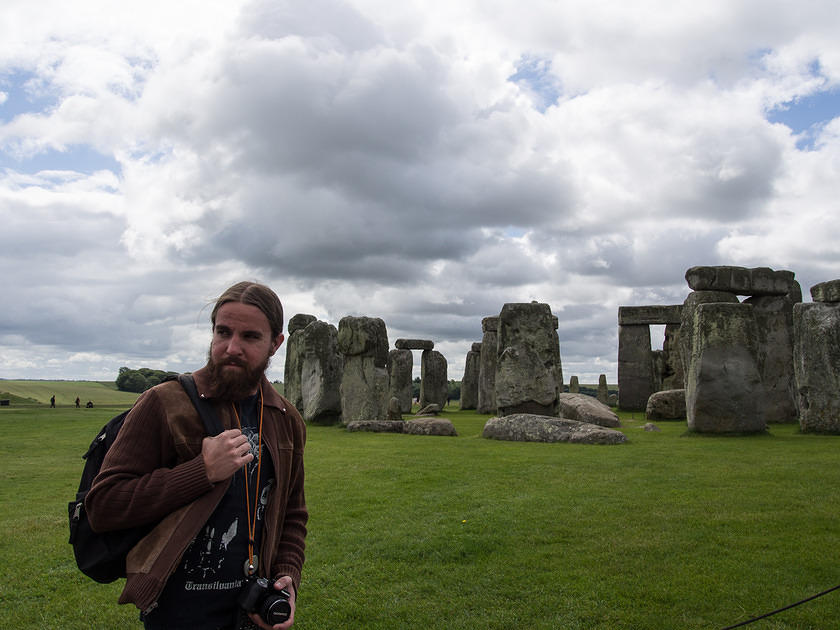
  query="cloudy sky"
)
[{"x": 422, "y": 162}]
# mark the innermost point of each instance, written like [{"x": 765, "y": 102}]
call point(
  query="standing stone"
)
[
  {"x": 635, "y": 367},
  {"x": 723, "y": 384},
  {"x": 469, "y": 382},
  {"x": 529, "y": 376},
  {"x": 774, "y": 319},
  {"x": 673, "y": 376},
  {"x": 321, "y": 368},
  {"x": 816, "y": 353},
  {"x": 291, "y": 370},
  {"x": 574, "y": 385},
  {"x": 603, "y": 393},
  {"x": 686, "y": 338},
  {"x": 487, "y": 365},
  {"x": 400, "y": 367},
  {"x": 434, "y": 387},
  {"x": 364, "y": 383}
]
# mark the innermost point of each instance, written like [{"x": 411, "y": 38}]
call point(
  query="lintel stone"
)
[
  {"x": 641, "y": 315},
  {"x": 414, "y": 344}
]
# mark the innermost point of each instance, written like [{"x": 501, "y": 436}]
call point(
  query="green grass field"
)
[{"x": 666, "y": 531}]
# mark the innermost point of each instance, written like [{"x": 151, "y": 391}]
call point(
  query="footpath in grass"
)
[{"x": 665, "y": 531}]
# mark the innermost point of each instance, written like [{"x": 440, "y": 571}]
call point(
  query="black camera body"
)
[{"x": 259, "y": 596}]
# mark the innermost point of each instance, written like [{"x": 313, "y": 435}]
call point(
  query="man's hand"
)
[
  {"x": 224, "y": 454},
  {"x": 281, "y": 583}
]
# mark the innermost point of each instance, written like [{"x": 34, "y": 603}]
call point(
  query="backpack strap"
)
[{"x": 205, "y": 408}]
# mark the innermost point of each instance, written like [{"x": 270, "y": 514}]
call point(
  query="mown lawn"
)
[{"x": 666, "y": 531}]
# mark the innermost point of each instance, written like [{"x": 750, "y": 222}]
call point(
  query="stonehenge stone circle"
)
[
  {"x": 364, "y": 384},
  {"x": 635, "y": 366},
  {"x": 817, "y": 359},
  {"x": 574, "y": 385},
  {"x": 321, "y": 368},
  {"x": 529, "y": 377},
  {"x": 487, "y": 365},
  {"x": 723, "y": 383},
  {"x": 400, "y": 367}
]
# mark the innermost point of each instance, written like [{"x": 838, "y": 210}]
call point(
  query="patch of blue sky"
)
[
  {"x": 533, "y": 73},
  {"x": 807, "y": 115},
  {"x": 24, "y": 95},
  {"x": 79, "y": 158}
]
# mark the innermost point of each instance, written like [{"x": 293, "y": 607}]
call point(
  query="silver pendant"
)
[{"x": 251, "y": 568}]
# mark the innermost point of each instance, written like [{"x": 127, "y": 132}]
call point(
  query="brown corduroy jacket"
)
[{"x": 154, "y": 473}]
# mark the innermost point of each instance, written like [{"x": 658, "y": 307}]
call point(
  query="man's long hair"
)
[{"x": 254, "y": 294}]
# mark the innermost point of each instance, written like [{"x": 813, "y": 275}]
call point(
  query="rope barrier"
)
[{"x": 807, "y": 599}]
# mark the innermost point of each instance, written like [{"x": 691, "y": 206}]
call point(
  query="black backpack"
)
[{"x": 101, "y": 556}]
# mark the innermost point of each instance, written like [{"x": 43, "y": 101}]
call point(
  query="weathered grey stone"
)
[
  {"x": 692, "y": 301},
  {"x": 294, "y": 358},
  {"x": 649, "y": 426},
  {"x": 666, "y": 405},
  {"x": 603, "y": 393},
  {"x": 635, "y": 367},
  {"x": 612, "y": 401},
  {"x": 364, "y": 383},
  {"x": 320, "y": 373},
  {"x": 723, "y": 383},
  {"x": 434, "y": 386},
  {"x": 476, "y": 347},
  {"x": 487, "y": 365},
  {"x": 414, "y": 344},
  {"x": 587, "y": 409},
  {"x": 774, "y": 327},
  {"x": 394, "y": 411},
  {"x": 740, "y": 280},
  {"x": 537, "y": 428},
  {"x": 400, "y": 368},
  {"x": 377, "y": 426},
  {"x": 529, "y": 375},
  {"x": 672, "y": 375},
  {"x": 645, "y": 315},
  {"x": 469, "y": 382},
  {"x": 826, "y": 291},
  {"x": 429, "y": 410},
  {"x": 816, "y": 354},
  {"x": 574, "y": 385},
  {"x": 300, "y": 321},
  {"x": 430, "y": 426}
]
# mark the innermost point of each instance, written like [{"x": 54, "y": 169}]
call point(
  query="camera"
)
[{"x": 259, "y": 596}]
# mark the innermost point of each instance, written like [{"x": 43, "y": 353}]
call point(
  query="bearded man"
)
[{"x": 224, "y": 510}]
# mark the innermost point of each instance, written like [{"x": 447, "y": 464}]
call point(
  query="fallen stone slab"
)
[
  {"x": 429, "y": 410},
  {"x": 521, "y": 427},
  {"x": 377, "y": 426},
  {"x": 668, "y": 404},
  {"x": 585, "y": 408},
  {"x": 430, "y": 426}
]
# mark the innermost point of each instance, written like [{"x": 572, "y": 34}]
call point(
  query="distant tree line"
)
[
  {"x": 138, "y": 381},
  {"x": 454, "y": 389}
]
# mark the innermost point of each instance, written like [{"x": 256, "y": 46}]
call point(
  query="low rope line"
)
[{"x": 807, "y": 599}]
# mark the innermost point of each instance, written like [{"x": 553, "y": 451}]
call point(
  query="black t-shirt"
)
[{"x": 203, "y": 590}]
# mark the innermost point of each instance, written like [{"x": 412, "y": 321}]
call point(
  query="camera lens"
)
[{"x": 275, "y": 609}]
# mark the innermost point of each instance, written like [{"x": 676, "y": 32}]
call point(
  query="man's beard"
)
[{"x": 234, "y": 384}]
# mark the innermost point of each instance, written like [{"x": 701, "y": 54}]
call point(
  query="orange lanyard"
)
[{"x": 251, "y": 569}]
